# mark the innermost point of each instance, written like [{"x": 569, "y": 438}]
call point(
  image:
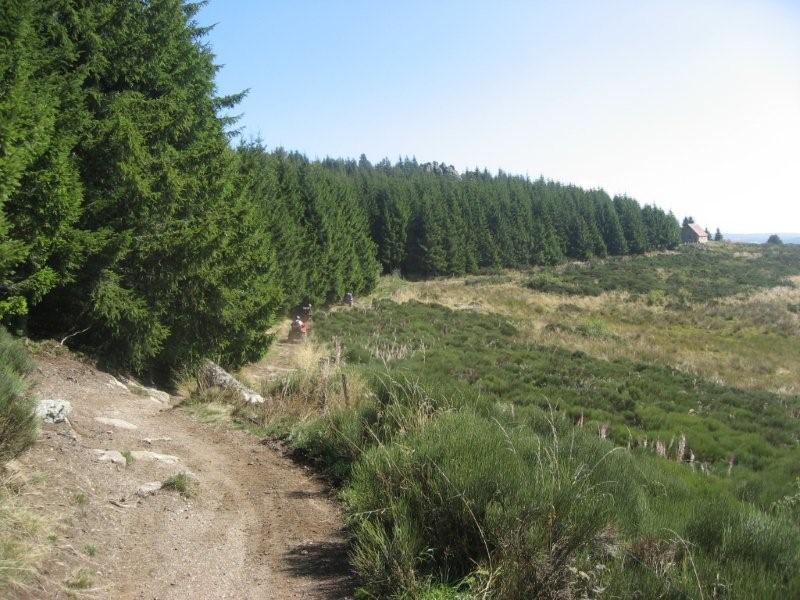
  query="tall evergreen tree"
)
[
  {"x": 40, "y": 122},
  {"x": 630, "y": 217},
  {"x": 610, "y": 227},
  {"x": 178, "y": 268}
]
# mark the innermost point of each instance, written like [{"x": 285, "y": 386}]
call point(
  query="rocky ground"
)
[{"x": 257, "y": 525}]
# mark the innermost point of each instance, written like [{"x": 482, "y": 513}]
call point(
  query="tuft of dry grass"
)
[
  {"x": 319, "y": 382},
  {"x": 391, "y": 351},
  {"x": 23, "y": 538}
]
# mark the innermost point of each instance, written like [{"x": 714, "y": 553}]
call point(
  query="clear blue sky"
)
[{"x": 692, "y": 105}]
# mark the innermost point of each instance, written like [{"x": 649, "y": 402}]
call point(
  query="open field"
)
[
  {"x": 745, "y": 339},
  {"x": 506, "y": 442}
]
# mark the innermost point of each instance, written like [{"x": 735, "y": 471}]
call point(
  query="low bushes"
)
[
  {"x": 446, "y": 502},
  {"x": 18, "y": 425},
  {"x": 692, "y": 274}
]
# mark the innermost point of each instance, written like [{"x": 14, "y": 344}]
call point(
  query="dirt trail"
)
[{"x": 258, "y": 527}]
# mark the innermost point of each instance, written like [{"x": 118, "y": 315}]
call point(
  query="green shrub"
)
[
  {"x": 467, "y": 501},
  {"x": 181, "y": 483},
  {"x": 18, "y": 424}
]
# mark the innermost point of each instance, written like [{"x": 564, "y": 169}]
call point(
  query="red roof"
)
[{"x": 697, "y": 229}]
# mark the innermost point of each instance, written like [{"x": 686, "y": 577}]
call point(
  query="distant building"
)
[{"x": 692, "y": 233}]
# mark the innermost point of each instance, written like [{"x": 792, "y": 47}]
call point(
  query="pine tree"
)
[
  {"x": 426, "y": 254},
  {"x": 178, "y": 266},
  {"x": 40, "y": 120},
  {"x": 579, "y": 240},
  {"x": 610, "y": 227},
  {"x": 718, "y": 235},
  {"x": 630, "y": 217}
]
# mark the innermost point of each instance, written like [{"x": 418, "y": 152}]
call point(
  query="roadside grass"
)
[
  {"x": 452, "y": 496},
  {"x": 23, "y": 534},
  {"x": 18, "y": 423},
  {"x": 23, "y": 538},
  {"x": 80, "y": 580},
  {"x": 210, "y": 412}
]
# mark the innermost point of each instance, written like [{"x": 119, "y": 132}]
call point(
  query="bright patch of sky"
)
[{"x": 693, "y": 106}]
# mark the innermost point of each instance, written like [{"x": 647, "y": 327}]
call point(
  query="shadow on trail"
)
[{"x": 326, "y": 564}]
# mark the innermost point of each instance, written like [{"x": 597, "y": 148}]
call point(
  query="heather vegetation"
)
[
  {"x": 696, "y": 273},
  {"x": 492, "y": 444}
]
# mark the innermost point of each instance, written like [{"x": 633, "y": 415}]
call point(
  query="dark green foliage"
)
[
  {"x": 180, "y": 266},
  {"x": 693, "y": 273},
  {"x": 718, "y": 236},
  {"x": 122, "y": 221},
  {"x": 39, "y": 182},
  {"x": 610, "y": 227},
  {"x": 633, "y": 227},
  {"x": 18, "y": 425},
  {"x": 428, "y": 224},
  {"x": 315, "y": 223}
]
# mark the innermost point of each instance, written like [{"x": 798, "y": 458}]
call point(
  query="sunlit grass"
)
[{"x": 748, "y": 341}]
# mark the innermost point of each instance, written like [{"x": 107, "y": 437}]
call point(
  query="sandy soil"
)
[{"x": 259, "y": 525}]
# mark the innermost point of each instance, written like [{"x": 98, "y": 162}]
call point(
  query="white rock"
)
[
  {"x": 212, "y": 375},
  {"x": 53, "y": 410},
  {"x": 151, "y": 441},
  {"x": 148, "y": 489},
  {"x": 118, "y": 423},
  {"x": 167, "y": 459},
  {"x": 142, "y": 390},
  {"x": 110, "y": 456},
  {"x": 116, "y": 382}
]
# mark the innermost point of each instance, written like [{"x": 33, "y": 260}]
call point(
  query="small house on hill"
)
[{"x": 692, "y": 233}]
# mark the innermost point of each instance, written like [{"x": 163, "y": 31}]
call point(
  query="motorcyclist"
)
[{"x": 298, "y": 325}]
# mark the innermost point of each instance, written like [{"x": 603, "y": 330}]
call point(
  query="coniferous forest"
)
[{"x": 132, "y": 225}]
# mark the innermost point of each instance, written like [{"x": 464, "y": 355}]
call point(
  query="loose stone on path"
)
[{"x": 118, "y": 423}]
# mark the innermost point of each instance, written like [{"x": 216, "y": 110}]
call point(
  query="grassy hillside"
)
[
  {"x": 493, "y": 440},
  {"x": 695, "y": 273}
]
